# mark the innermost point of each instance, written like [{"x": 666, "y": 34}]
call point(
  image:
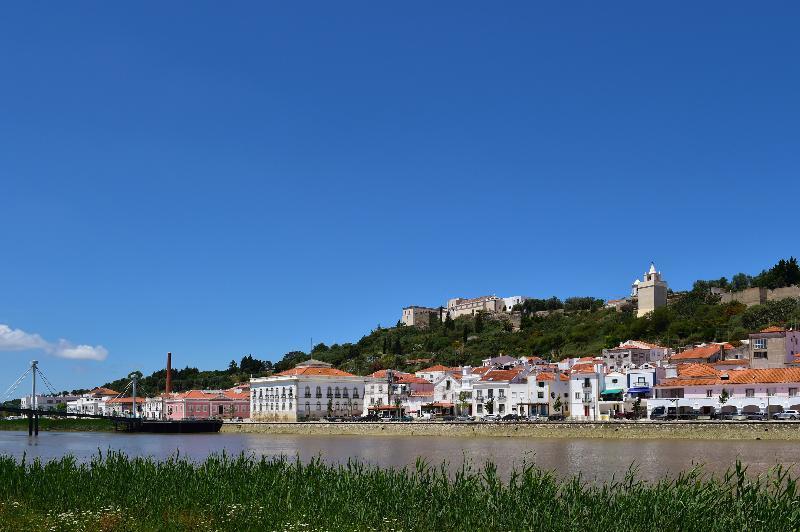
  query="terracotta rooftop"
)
[
  {"x": 312, "y": 371},
  {"x": 125, "y": 400},
  {"x": 773, "y": 329},
  {"x": 737, "y": 376},
  {"x": 501, "y": 375},
  {"x": 437, "y": 367},
  {"x": 104, "y": 391},
  {"x": 704, "y": 352}
]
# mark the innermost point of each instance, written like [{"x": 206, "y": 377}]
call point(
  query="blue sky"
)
[{"x": 215, "y": 180}]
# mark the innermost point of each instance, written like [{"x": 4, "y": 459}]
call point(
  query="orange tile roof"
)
[
  {"x": 104, "y": 391},
  {"x": 732, "y": 362},
  {"x": 421, "y": 393},
  {"x": 773, "y": 329},
  {"x": 437, "y": 367},
  {"x": 230, "y": 394},
  {"x": 500, "y": 375},
  {"x": 584, "y": 367},
  {"x": 311, "y": 371},
  {"x": 696, "y": 370},
  {"x": 738, "y": 376},
  {"x": 704, "y": 352},
  {"x": 125, "y": 400}
]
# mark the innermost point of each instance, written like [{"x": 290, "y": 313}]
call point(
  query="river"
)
[{"x": 594, "y": 459}]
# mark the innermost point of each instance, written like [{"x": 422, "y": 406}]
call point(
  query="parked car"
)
[
  {"x": 491, "y": 417},
  {"x": 448, "y": 418},
  {"x": 556, "y": 417},
  {"x": 661, "y": 413},
  {"x": 757, "y": 416},
  {"x": 510, "y": 417},
  {"x": 787, "y": 414},
  {"x": 465, "y": 418}
]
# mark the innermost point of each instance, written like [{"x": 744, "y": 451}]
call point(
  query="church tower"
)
[{"x": 651, "y": 291}]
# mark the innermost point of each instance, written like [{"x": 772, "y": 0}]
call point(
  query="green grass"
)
[
  {"x": 60, "y": 424},
  {"x": 115, "y": 492}
]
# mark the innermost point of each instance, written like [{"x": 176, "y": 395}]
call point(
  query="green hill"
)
[{"x": 574, "y": 327}]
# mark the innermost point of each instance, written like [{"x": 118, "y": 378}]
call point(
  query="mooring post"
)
[
  {"x": 30, "y": 424},
  {"x": 35, "y": 424}
]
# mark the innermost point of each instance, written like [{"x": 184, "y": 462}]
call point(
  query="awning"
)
[
  {"x": 639, "y": 389},
  {"x": 612, "y": 391}
]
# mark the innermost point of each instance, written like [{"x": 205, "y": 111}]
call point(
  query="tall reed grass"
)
[{"x": 115, "y": 492}]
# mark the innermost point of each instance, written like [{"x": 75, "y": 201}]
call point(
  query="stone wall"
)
[
  {"x": 697, "y": 430},
  {"x": 759, "y": 296}
]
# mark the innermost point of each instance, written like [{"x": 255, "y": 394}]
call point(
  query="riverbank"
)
[
  {"x": 245, "y": 493},
  {"x": 642, "y": 430},
  {"x": 60, "y": 425}
]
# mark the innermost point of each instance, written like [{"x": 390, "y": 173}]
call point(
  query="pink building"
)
[{"x": 199, "y": 404}]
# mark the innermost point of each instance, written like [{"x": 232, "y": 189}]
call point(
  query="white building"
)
[
  {"x": 153, "y": 407},
  {"x": 405, "y": 394},
  {"x": 46, "y": 402},
  {"x": 311, "y": 390},
  {"x": 91, "y": 402},
  {"x": 510, "y": 302},
  {"x": 585, "y": 382}
]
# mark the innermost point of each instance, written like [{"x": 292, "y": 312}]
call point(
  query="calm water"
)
[{"x": 594, "y": 459}]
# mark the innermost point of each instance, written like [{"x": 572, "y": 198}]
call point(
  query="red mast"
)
[{"x": 169, "y": 373}]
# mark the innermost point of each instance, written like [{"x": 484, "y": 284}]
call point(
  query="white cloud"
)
[
  {"x": 19, "y": 340},
  {"x": 79, "y": 352}
]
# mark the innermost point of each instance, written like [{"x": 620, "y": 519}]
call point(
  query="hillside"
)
[{"x": 575, "y": 327}]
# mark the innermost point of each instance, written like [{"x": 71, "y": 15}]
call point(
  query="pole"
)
[
  {"x": 33, "y": 389},
  {"x": 133, "y": 395}
]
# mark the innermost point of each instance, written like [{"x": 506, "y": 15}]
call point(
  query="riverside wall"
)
[{"x": 643, "y": 430}]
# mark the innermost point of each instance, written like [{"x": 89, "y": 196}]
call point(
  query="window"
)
[
  {"x": 709, "y": 393},
  {"x": 502, "y": 393},
  {"x": 319, "y": 405},
  {"x": 338, "y": 393},
  {"x": 447, "y": 385},
  {"x": 540, "y": 395},
  {"x": 587, "y": 383},
  {"x": 578, "y": 396},
  {"x": 792, "y": 392},
  {"x": 319, "y": 392},
  {"x": 770, "y": 392},
  {"x": 479, "y": 408},
  {"x": 760, "y": 354},
  {"x": 355, "y": 393},
  {"x": 371, "y": 388},
  {"x": 308, "y": 391},
  {"x": 749, "y": 392},
  {"x": 345, "y": 393},
  {"x": 566, "y": 395},
  {"x": 760, "y": 343},
  {"x": 501, "y": 409},
  {"x": 614, "y": 381},
  {"x": 329, "y": 392}
]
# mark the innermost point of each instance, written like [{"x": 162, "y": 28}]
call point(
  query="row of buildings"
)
[
  {"x": 647, "y": 295},
  {"x": 760, "y": 374}
]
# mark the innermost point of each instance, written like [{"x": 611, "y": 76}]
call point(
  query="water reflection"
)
[{"x": 593, "y": 459}]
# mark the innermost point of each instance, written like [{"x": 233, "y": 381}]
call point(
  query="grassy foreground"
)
[
  {"x": 60, "y": 424},
  {"x": 115, "y": 492}
]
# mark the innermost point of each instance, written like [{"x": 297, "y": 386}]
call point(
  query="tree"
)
[
  {"x": 637, "y": 408},
  {"x": 397, "y": 349},
  {"x": 489, "y": 405},
  {"x": 449, "y": 324},
  {"x": 330, "y": 407},
  {"x": 462, "y": 402},
  {"x": 723, "y": 397},
  {"x": 740, "y": 281},
  {"x": 557, "y": 405},
  {"x": 232, "y": 367},
  {"x": 479, "y": 323}
]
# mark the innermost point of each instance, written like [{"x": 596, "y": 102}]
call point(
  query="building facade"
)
[
  {"x": 419, "y": 317},
  {"x": 651, "y": 292},
  {"x": 311, "y": 390},
  {"x": 469, "y": 307},
  {"x": 774, "y": 347}
]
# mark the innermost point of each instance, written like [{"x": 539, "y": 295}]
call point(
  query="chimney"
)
[{"x": 169, "y": 373}]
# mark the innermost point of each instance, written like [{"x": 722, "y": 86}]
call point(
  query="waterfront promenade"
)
[{"x": 628, "y": 430}]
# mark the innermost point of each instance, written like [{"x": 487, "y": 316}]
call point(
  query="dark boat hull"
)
[{"x": 179, "y": 427}]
